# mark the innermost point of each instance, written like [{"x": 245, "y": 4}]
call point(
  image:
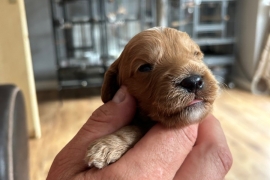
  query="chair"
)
[{"x": 14, "y": 161}]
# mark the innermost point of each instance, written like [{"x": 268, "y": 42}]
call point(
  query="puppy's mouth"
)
[
  {"x": 195, "y": 102},
  {"x": 192, "y": 112}
]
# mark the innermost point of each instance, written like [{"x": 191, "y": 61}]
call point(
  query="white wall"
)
[
  {"x": 42, "y": 43},
  {"x": 252, "y": 30},
  {"x": 15, "y": 59}
]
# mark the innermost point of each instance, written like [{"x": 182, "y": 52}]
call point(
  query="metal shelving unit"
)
[
  {"x": 90, "y": 34},
  {"x": 211, "y": 24}
]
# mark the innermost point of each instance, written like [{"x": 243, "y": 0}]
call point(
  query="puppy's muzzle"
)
[{"x": 192, "y": 83}]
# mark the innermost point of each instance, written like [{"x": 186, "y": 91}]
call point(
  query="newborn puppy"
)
[{"x": 164, "y": 70}]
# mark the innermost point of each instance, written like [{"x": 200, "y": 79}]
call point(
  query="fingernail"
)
[{"x": 119, "y": 96}]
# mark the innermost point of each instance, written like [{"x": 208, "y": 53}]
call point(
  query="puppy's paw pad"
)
[{"x": 100, "y": 154}]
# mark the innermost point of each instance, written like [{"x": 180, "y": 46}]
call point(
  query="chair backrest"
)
[{"x": 14, "y": 161}]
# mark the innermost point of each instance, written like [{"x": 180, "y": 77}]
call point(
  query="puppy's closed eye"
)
[
  {"x": 197, "y": 53},
  {"x": 146, "y": 68}
]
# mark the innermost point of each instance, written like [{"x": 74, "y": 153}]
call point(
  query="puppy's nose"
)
[{"x": 192, "y": 83}]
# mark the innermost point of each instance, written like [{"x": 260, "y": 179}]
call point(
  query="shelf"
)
[
  {"x": 212, "y": 41},
  {"x": 219, "y": 60},
  {"x": 81, "y": 48},
  {"x": 209, "y": 27},
  {"x": 68, "y": 24},
  {"x": 67, "y": 1},
  {"x": 81, "y": 83},
  {"x": 210, "y": 1},
  {"x": 221, "y": 74},
  {"x": 84, "y": 65},
  {"x": 94, "y": 62}
]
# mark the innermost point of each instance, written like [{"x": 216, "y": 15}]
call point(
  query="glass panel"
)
[
  {"x": 120, "y": 16},
  {"x": 95, "y": 10},
  {"x": 148, "y": 13},
  {"x": 124, "y": 20},
  {"x": 230, "y": 18},
  {"x": 181, "y": 14},
  {"x": 210, "y": 13},
  {"x": 80, "y": 45},
  {"x": 78, "y": 33},
  {"x": 77, "y": 10},
  {"x": 86, "y": 43},
  {"x": 81, "y": 37},
  {"x": 217, "y": 49},
  {"x": 60, "y": 44},
  {"x": 214, "y": 34},
  {"x": 221, "y": 73}
]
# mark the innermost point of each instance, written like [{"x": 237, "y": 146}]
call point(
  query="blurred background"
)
[
  {"x": 57, "y": 51},
  {"x": 73, "y": 42}
]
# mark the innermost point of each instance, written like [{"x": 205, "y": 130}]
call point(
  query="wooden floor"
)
[{"x": 245, "y": 119}]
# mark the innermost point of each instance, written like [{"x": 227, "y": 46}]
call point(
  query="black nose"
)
[{"x": 192, "y": 83}]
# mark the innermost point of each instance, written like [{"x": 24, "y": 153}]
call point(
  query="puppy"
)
[{"x": 164, "y": 70}]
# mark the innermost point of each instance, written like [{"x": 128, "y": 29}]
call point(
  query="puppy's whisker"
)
[
  {"x": 222, "y": 87},
  {"x": 221, "y": 84}
]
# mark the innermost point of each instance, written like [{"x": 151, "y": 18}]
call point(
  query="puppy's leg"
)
[{"x": 110, "y": 148}]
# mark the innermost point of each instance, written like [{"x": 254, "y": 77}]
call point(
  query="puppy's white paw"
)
[
  {"x": 110, "y": 148},
  {"x": 104, "y": 152}
]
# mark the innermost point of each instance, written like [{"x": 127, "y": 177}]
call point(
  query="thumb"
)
[
  {"x": 109, "y": 117},
  {"x": 106, "y": 119}
]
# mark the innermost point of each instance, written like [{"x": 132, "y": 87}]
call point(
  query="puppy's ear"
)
[{"x": 110, "y": 83}]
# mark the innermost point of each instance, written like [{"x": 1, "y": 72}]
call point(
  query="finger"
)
[
  {"x": 158, "y": 155},
  {"x": 108, "y": 118},
  {"x": 105, "y": 120},
  {"x": 210, "y": 158}
]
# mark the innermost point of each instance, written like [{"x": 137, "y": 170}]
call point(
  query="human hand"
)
[{"x": 192, "y": 152}]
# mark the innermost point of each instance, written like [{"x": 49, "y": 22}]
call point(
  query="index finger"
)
[
  {"x": 106, "y": 119},
  {"x": 210, "y": 158},
  {"x": 158, "y": 155}
]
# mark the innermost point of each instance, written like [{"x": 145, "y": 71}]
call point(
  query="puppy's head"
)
[{"x": 164, "y": 70}]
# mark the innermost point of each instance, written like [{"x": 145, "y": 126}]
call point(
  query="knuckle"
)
[
  {"x": 101, "y": 113},
  {"x": 62, "y": 162},
  {"x": 223, "y": 158},
  {"x": 190, "y": 134},
  {"x": 116, "y": 174}
]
